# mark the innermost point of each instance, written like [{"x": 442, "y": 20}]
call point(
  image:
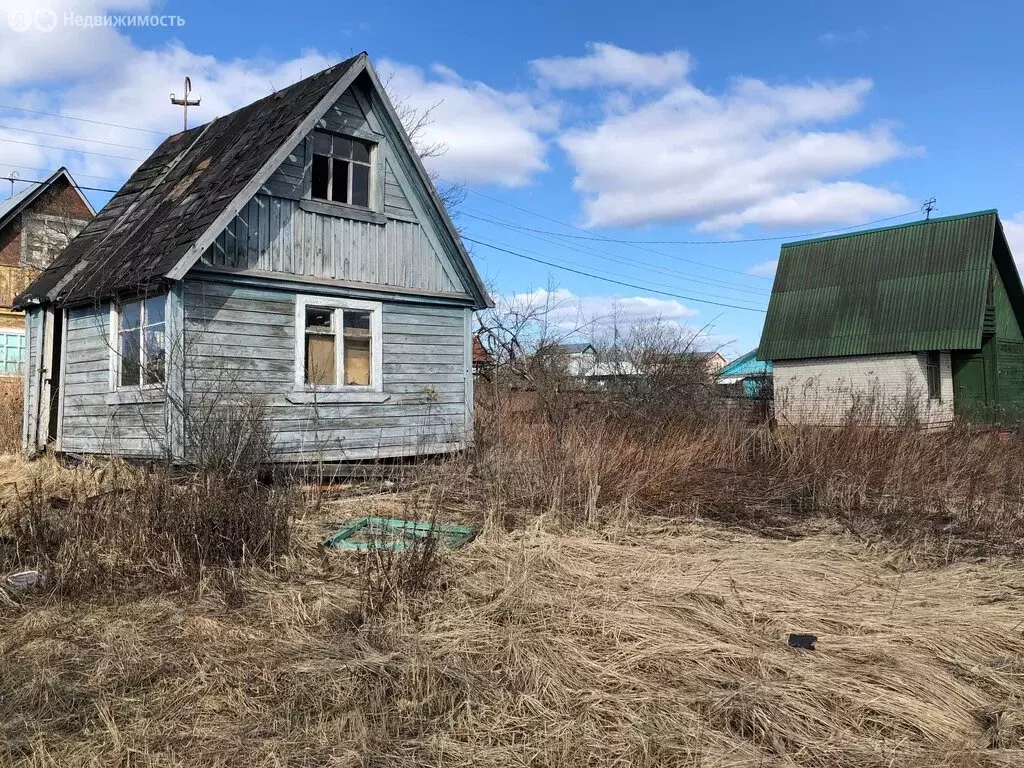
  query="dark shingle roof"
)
[
  {"x": 175, "y": 195},
  {"x": 907, "y": 288}
]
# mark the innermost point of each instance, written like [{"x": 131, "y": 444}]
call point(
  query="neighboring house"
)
[
  {"x": 35, "y": 225},
  {"x": 746, "y": 376},
  {"x": 293, "y": 251},
  {"x": 580, "y": 359},
  {"x": 920, "y": 321},
  {"x": 483, "y": 360}
]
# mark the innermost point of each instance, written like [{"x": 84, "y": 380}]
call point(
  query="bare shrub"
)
[{"x": 138, "y": 529}]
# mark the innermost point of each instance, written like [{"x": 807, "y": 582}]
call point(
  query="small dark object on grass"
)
[{"x": 803, "y": 641}]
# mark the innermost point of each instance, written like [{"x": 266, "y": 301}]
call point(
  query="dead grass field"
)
[{"x": 648, "y": 642}]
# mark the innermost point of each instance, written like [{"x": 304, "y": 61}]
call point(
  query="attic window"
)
[{"x": 341, "y": 169}]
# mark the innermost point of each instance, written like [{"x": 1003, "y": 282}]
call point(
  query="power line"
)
[
  {"x": 589, "y": 251},
  {"x": 74, "y": 138},
  {"x": 609, "y": 280},
  {"x": 83, "y": 120},
  {"x": 49, "y": 170},
  {"x": 89, "y": 189},
  {"x": 623, "y": 241},
  {"x": 68, "y": 149}
]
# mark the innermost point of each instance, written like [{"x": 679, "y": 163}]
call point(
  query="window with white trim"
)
[
  {"x": 341, "y": 169},
  {"x": 140, "y": 345},
  {"x": 338, "y": 344},
  {"x": 12, "y": 352}
]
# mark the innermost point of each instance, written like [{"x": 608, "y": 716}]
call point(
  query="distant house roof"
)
[
  {"x": 163, "y": 218},
  {"x": 571, "y": 349},
  {"x": 744, "y": 366},
  {"x": 913, "y": 287},
  {"x": 480, "y": 354},
  {"x": 17, "y": 203}
]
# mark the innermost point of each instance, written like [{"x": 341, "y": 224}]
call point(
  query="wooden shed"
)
[{"x": 293, "y": 253}]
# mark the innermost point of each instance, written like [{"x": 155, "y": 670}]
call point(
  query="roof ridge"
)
[{"x": 956, "y": 217}]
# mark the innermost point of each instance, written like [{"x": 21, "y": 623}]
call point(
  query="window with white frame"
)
[
  {"x": 338, "y": 344},
  {"x": 139, "y": 343},
  {"x": 341, "y": 169},
  {"x": 12, "y": 352}
]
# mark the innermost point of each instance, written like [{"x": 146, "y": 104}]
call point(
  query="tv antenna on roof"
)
[
  {"x": 12, "y": 177},
  {"x": 185, "y": 102},
  {"x": 928, "y": 207}
]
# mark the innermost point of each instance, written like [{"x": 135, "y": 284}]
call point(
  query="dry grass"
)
[
  {"x": 960, "y": 490},
  {"x": 11, "y": 396},
  {"x": 652, "y": 643},
  {"x": 628, "y": 605}
]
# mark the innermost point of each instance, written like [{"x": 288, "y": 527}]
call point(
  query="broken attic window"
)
[{"x": 341, "y": 169}]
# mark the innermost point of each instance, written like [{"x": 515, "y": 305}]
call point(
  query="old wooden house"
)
[
  {"x": 919, "y": 322},
  {"x": 36, "y": 223},
  {"x": 293, "y": 253}
]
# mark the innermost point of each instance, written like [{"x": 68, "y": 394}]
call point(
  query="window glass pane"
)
[
  {"x": 342, "y": 147},
  {"x": 155, "y": 306},
  {"x": 321, "y": 169},
  {"x": 155, "y": 354},
  {"x": 321, "y": 143},
  {"x": 357, "y": 323},
  {"x": 357, "y": 361},
  {"x": 318, "y": 318},
  {"x": 131, "y": 315},
  {"x": 361, "y": 185},
  {"x": 360, "y": 151},
  {"x": 339, "y": 184},
  {"x": 129, "y": 361},
  {"x": 320, "y": 359}
]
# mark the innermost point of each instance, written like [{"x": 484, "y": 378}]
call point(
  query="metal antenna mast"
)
[
  {"x": 185, "y": 102},
  {"x": 12, "y": 177},
  {"x": 928, "y": 207}
]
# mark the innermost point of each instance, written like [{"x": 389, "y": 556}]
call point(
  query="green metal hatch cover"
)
[{"x": 396, "y": 535}]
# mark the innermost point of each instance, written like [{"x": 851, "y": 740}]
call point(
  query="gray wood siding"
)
[
  {"x": 240, "y": 341},
  {"x": 395, "y": 201},
  {"x": 33, "y": 349},
  {"x": 275, "y": 235},
  {"x": 90, "y": 424}
]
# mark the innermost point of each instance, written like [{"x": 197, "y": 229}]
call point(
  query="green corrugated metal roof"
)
[{"x": 907, "y": 288}]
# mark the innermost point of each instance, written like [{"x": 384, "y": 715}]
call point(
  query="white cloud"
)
[
  {"x": 609, "y": 65},
  {"x": 841, "y": 201},
  {"x": 491, "y": 136},
  {"x": 1013, "y": 228},
  {"x": 98, "y": 73},
  {"x": 764, "y": 269},
  {"x": 747, "y": 156},
  {"x": 568, "y": 311}
]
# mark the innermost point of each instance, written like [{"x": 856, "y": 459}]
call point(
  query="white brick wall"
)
[{"x": 876, "y": 388}]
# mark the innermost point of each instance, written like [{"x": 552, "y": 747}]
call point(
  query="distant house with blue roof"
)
[{"x": 746, "y": 376}]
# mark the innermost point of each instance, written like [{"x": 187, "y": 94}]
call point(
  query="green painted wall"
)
[{"x": 1009, "y": 355}]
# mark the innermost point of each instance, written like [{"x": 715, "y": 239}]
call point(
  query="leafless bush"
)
[{"x": 136, "y": 529}]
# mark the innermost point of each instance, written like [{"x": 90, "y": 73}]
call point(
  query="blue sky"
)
[{"x": 637, "y": 122}]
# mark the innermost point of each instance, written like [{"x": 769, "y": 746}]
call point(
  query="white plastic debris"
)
[{"x": 25, "y": 579}]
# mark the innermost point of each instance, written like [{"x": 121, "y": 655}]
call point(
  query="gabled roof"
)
[
  {"x": 177, "y": 202},
  {"x": 15, "y": 204},
  {"x": 914, "y": 287},
  {"x": 571, "y": 348},
  {"x": 746, "y": 365}
]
